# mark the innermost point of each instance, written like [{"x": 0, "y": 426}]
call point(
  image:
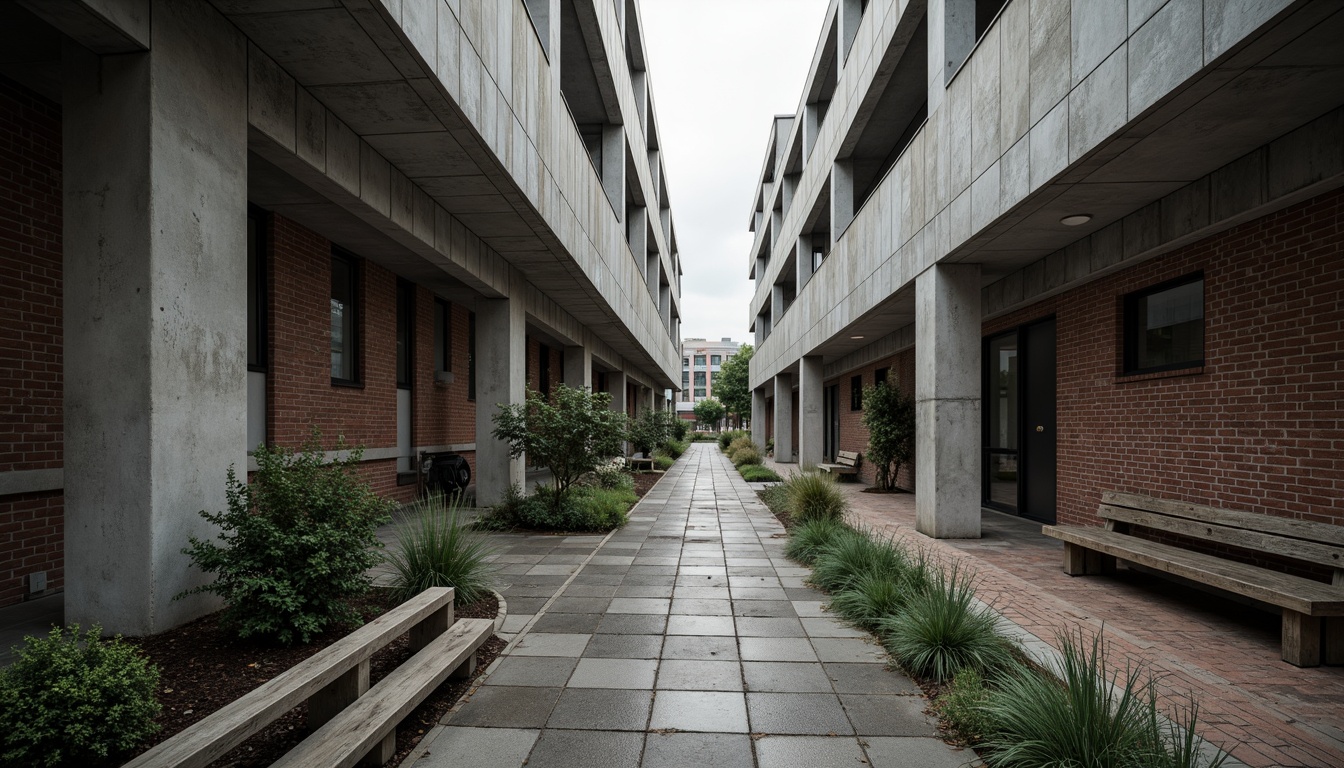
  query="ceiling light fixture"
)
[
  {"x": 1075, "y": 220},
  {"x": 856, "y": 337}
]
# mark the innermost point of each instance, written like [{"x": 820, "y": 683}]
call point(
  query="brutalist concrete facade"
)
[
  {"x": 953, "y": 164},
  {"x": 500, "y": 158}
]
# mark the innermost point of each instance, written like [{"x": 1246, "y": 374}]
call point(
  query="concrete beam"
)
[
  {"x": 947, "y": 401},
  {"x": 784, "y": 418},
  {"x": 155, "y": 313},
  {"x": 811, "y": 424},
  {"x": 501, "y": 360}
]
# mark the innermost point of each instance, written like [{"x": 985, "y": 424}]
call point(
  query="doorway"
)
[
  {"x": 830, "y": 442},
  {"x": 1019, "y": 456}
]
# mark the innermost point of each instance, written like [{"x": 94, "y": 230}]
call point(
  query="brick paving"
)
[
  {"x": 685, "y": 638},
  {"x": 1261, "y": 709}
]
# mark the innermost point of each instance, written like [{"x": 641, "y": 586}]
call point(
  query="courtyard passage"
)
[{"x": 684, "y": 638}]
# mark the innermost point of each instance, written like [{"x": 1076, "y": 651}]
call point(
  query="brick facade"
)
[
  {"x": 853, "y": 435},
  {"x": 30, "y": 334}
]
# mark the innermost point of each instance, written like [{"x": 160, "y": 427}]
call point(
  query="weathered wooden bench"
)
[
  {"x": 846, "y": 463},
  {"x": 1305, "y": 604},
  {"x": 351, "y": 722},
  {"x": 640, "y": 461}
]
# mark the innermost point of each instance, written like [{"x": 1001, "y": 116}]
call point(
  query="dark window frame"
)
[
  {"x": 856, "y": 393},
  {"x": 471, "y": 356},
  {"x": 880, "y": 375},
  {"x": 351, "y": 261},
  {"x": 443, "y": 336},
  {"x": 405, "y": 310},
  {"x": 1129, "y": 341},
  {"x": 258, "y": 315}
]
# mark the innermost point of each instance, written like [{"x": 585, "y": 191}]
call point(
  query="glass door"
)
[{"x": 1002, "y": 424}]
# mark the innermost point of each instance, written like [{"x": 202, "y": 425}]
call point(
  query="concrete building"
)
[
  {"x": 226, "y": 222},
  {"x": 1099, "y": 243}
]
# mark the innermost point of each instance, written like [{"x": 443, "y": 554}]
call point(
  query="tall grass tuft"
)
[
  {"x": 747, "y": 455},
  {"x": 437, "y": 549},
  {"x": 869, "y": 598},
  {"x": 850, "y": 555},
  {"x": 755, "y": 473},
  {"x": 807, "y": 541},
  {"x": 813, "y": 495},
  {"x": 941, "y": 630}
]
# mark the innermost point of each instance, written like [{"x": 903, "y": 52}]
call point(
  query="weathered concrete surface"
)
[{"x": 501, "y": 359}]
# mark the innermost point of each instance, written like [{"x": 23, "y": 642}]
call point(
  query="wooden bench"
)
[
  {"x": 639, "y": 460},
  {"x": 1305, "y": 604},
  {"x": 847, "y": 463},
  {"x": 351, "y": 722}
]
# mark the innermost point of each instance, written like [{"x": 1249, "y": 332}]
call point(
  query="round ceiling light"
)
[
  {"x": 856, "y": 337},
  {"x": 1077, "y": 219}
]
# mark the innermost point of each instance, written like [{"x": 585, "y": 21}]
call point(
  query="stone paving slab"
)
[{"x": 686, "y": 638}]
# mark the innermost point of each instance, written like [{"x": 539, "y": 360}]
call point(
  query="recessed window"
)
[
  {"x": 256, "y": 292},
  {"x": 1164, "y": 326},
  {"x": 685, "y": 379},
  {"x": 685, "y": 362},
  {"x": 405, "y": 331},
  {"x": 699, "y": 361},
  {"x": 716, "y": 359},
  {"x": 443, "y": 337},
  {"x": 699, "y": 378},
  {"x": 880, "y": 375},
  {"x": 856, "y": 393},
  {"x": 344, "y": 320},
  {"x": 471, "y": 356},
  {"x": 700, "y": 393}
]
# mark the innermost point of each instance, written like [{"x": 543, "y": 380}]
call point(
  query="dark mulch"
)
[
  {"x": 202, "y": 667},
  {"x": 644, "y": 481},
  {"x": 875, "y": 489}
]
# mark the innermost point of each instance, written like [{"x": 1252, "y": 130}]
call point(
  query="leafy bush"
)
[
  {"x": 675, "y": 448},
  {"x": 584, "y": 508},
  {"x": 755, "y": 473},
  {"x": 746, "y": 456},
  {"x": 869, "y": 598},
  {"x": 437, "y": 549},
  {"x": 737, "y": 444},
  {"x": 727, "y": 436},
  {"x": 572, "y": 433},
  {"x": 680, "y": 427},
  {"x": 649, "y": 430},
  {"x": 941, "y": 630},
  {"x": 75, "y": 700},
  {"x": 709, "y": 412},
  {"x": 611, "y": 475},
  {"x": 814, "y": 494},
  {"x": 663, "y": 462},
  {"x": 962, "y": 707},
  {"x": 889, "y": 417},
  {"x": 1095, "y": 716},
  {"x": 732, "y": 385},
  {"x": 297, "y": 544},
  {"x": 808, "y": 540},
  {"x": 704, "y": 437}
]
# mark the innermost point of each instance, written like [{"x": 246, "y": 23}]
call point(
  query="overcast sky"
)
[{"x": 720, "y": 71}]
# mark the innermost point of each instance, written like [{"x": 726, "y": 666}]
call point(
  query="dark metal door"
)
[{"x": 1038, "y": 421}]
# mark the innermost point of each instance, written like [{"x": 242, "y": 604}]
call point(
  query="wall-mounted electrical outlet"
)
[{"x": 37, "y": 581}]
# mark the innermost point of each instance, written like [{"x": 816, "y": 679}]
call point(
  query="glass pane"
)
[
  {"x": 1003, "y": 479},
  {"x": 256, "y": 301},
  {"x": 1002, "y": 395},
  {"x": 1171, "y": 326}
]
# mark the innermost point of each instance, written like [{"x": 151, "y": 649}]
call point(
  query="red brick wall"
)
[
  {"x": 30, "y": 334},
  {"x": 1261, "y": 426},
  {"x": 441, "y": 412},
  {"x": 853, "y": 435}
]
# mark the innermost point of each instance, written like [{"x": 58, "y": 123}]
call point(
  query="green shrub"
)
[
  {"x": 663, "y": 462},
  {"x": 941, "y": 630},
  {"x": 962, "y": 707},
  {"x": 75, "y": 700},
  {"x": 808, "y": 540},
  {"x": 814, "y": 494},
  {"x": 869, "y": 598},
  {"x": 755, "y": 473},
  {"x": 727, "y": 437},
  {"x": 746, "y": 456},
  {"x": 649, "y": 430},
  {"x": 848, "y": 556},
  {"x": 297, "y": 544},
  {"x": 680, "y": 427},
  {"x": 1093, "y": 716},
  {"x": 704, "y": 437},
  {"x": 613, "y": 475},
  {"x": 585, "y": 508},
  {"x": 738, "y": 444},
  {"x": 675, "y": 448},
  {"x": 602, "y": 509},
  {"x": 889, "y": 417},
  {"x": 437, "y": 549}
]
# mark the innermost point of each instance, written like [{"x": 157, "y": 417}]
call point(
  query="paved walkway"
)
[{"x": 685, "y": 638}]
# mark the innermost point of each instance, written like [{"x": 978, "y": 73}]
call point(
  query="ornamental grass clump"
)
[
  {"x": 808, "y": 540},
  {"x": 755, "y": 473},
  {"x": 813, "y": 495},
  {"x": 746, "y": 456},
  {"x": 941, "y": 630},
  {"x": 73, "y": 699},
  {"x": 738, "y": 444},
  {"x": 295, "y": 545},
  {"x": 437, "y": 548},
  {"x": 850, "y": 554},
  {"x": 869, "y": 598}
]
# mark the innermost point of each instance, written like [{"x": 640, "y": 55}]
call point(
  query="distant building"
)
[{"x": 701, "y": 360}]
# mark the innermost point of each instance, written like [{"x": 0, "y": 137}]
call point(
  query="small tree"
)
[
  {"x": 732, "y": 383},
  {"x": 709, "y": 412},
  {"x": 570, "y": 434},
  {"x": 650, "y": 430},
  {"x": 889, "y": 417}
]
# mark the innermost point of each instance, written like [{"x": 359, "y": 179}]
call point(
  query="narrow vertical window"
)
[
  {"x": 880, "y": 376},
  {"x": 856, "y": 393},
  {"x": 344, "y": 322},
  {"x": 443, "y": 338},
  {"x": 471, "y": 356},
  {"x": 405, "y": 333},
  {"x": 256, "y": 293}
]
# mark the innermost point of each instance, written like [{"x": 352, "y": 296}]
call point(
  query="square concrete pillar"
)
[
  {"x": 947, "y": 398},
  {"x": 842, "y": 199},
  {"x": 501, "y": 359},
  {"x": 758, "y": 416},
  {"x": 784, "y": 418},
  {"x": 617, "y": 383},
  {"x": 802, "y": 264},
  {"x": 578, "y": 367},
  {"x": 776, "y": 304},
  {"x": 637, "y": 236},
  {"x": 810, "y": 410},
  {"x": 155, "y": 313}
]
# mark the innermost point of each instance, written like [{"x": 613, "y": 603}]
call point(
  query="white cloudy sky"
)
[{"x": 721, "y": 70}]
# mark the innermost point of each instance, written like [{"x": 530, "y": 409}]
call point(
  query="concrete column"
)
[
  {"x": 501, "y": 360},
  {"x": 155, "y": 313},
  {"x": 665, "y": 305},
  {"x": 579, "y": 367},
  {"x": 613, "y": 165},
  {"x": 653, "y": 274},
  {"x": 637, "y": 235},
  {"x": 758, "y": 416},
  {"x": 850, "y": 13},
  {"x": 789, "y": 185},
  {"x": 616, "y": 385},
  {"x": 776, "y": 304},
  {"x": 802, "y": 263},
  {"x": 842, "y": 199},
  {"x": 811, "y": 126},
  {"x": 811, "y": 424},
  {"x": 784, "y": 418},
  {"x": 947, "y": 397}
]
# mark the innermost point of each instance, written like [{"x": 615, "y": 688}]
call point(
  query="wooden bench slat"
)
[
  {"x": 346, "y": 738},
  {"x": 213, "y": 737},
  {"x": 851, "y": 455},
  {"x": 1284, "y": 590},
  {"x": 1296, "y": 549},
  {"x": 1283, "y": 526}
]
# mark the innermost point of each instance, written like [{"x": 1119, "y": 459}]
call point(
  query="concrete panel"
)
[
  {"x": 375, "y": 185},
  {"x": 1097, "y": 29},
  {"x": 1050, "y": 145},
  {"x": 783, "y": 431},
  {"x": 985, "y": 99},
  {"x": 959, "y": 108},
  {"x": 319, "y": 46},
  {"x": 342, "y": 154},
  {"x": 1186, "y": 210},
  {"x": 1141, "y": 10},
  {"x": 1015, "y": 181},
  {"x": 758, "y": 416},
  {"x": 1015, "y": 73},
  {"x": 270, "y": 98},
  {"x": 155, "y": 313},
  {"x": 1226, "y": 22},
  {"x": 985, "y": 198},
  {"x": 811, "y": 423},
  {"x": 1237, "y": 186},
  {"x": 310, "y": 129},
  {"x": 1097, "y": 106},
  {"x": 501, "y": 359},
  {"x": 1051, "y": 55},
  {"x": 1307, "y": 155},
  {"x": 1163, "y": 53}
]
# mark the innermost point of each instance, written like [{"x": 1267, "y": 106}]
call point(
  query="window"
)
[
  {"x": 405, "y": 333},
  {"x": 880, "y": 375},
  {"x": 699, "y": 361},
  {"x": 685, "y": 362},
  {"x": 1164, "y": 326},
  {"x": 685, "y": 379},
  {"x": 256, "y": 292},
  {"x": 699, "y": 393},
  {"x": 699, "y": 378},
  {"x": 471, "y": 356},
  {"x": 443, "y": 337},
  {"x": 344, "y": 325},
  {"x": 856, "y": 393},
  {"x": 715, "y": 359},
  {"x": 544, "y": 370}
]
